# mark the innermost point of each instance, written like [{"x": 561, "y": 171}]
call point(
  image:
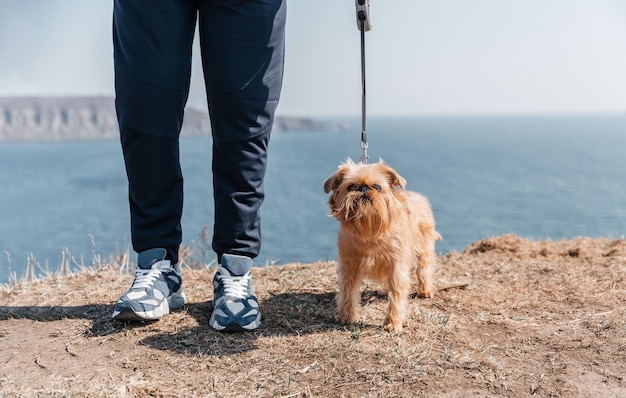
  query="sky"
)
[{"x": 423, "y": 57}]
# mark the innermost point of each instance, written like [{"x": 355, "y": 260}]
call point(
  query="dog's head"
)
[{"x": 365, "y": 197}]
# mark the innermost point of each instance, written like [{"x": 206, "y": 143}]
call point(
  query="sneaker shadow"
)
[
  {"x": 198, "y": 340},
  {"x": 201, "y": 339},
  {"x": 54, "y": 313},
  {"x": 98, "y": 314}
]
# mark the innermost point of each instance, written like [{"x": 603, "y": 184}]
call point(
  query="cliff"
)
[
  {"x": 512, "y": 318},
  {"x": 90, "y": 118}
]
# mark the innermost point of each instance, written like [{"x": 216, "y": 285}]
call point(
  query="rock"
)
[{"x": 93, "y": 118}]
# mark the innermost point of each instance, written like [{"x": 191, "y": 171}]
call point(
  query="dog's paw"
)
[
  {"x": 346, "y": 317},
  {"x": 427, "y": 291},
  {"x": 392, "y": 326}
]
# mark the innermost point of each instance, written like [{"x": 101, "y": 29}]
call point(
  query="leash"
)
[{"x": 364, "y": 25}]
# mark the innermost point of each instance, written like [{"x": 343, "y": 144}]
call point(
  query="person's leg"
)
[
  {"x": 152, "y": 57},
  {"x": 242, "y": 52}
]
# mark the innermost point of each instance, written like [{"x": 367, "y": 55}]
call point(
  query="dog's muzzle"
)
[{"x": 363, "y": 198}]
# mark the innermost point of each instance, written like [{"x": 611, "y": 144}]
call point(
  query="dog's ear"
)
[
  {"x": 395, "y": 180},
  {"x": 335, "y": 180}
]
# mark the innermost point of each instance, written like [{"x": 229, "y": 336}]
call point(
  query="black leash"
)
[{"x": 364, "y": 25}]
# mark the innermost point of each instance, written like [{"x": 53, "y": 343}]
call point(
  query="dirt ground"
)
[{"x": 513, "y": 318}]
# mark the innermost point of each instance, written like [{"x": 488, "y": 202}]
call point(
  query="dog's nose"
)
[{"x": 363, "y": 188}]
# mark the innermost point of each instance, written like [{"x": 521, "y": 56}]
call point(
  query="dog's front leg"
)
[
  {"x": 349, "y": 296},
  {"x": 399, "y": 286}
]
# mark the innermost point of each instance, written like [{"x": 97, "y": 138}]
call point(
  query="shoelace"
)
[
  {"x": 235, "y": 286},
  {"x": 145, "y": 277}
]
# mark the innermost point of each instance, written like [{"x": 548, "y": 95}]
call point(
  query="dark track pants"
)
[{"x": 242, "y": 48}]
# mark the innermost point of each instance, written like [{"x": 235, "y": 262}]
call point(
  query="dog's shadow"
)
[{"x": 300, "y": 313}]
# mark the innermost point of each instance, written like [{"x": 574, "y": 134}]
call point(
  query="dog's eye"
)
[
  {"x": 376, "y": 187},
  {"x": 351, "y": 187}
]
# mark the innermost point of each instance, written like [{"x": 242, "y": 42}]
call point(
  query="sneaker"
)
[
  {"x": 156, "y": 290},
  {"x": 235, "y": 306}
]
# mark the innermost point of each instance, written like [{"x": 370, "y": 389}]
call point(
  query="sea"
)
[{"x": 540, "y": 177}]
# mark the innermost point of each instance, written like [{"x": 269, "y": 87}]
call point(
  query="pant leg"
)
[
  {"x": 242, "y": 46},
  {"x": 152, "y": 58}
]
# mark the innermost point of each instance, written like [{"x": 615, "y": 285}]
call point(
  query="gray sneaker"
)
[
  {"x": 235, "y": 306},
  {"x": 157, "y": 289}
]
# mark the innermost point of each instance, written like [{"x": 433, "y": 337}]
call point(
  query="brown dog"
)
[{"x": 385, "y": 233}]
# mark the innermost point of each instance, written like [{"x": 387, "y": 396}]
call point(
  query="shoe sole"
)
[
  {"x": 173, "y": 302},
  {"x": 235, "y": 327}
]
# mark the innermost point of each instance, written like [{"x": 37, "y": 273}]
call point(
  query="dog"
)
[{"x": 386, "y": 233}]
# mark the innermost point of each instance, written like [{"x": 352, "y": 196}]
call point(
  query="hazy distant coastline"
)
[{"x": 93, "y": 118}]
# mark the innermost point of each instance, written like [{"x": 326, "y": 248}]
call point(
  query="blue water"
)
[{"x": 549, "y": 177}]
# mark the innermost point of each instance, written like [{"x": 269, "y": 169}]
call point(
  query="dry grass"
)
[{"x": 514, "y": 318}]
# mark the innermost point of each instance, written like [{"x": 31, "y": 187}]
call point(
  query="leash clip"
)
[
  {"x": 363, "y": 20},
  {"x": 364, "y": 157}
]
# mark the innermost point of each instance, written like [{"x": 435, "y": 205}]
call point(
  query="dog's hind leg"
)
[{"x": 425, "y": 263}]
